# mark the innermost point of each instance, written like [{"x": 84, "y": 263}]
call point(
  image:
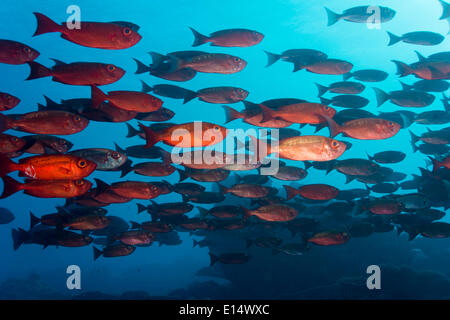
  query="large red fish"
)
[
  {"x": 327, "y": 238},
  {"x": 126, "y": 100},
  {"x": 187, "y": 135},
  {"x": 229, "y": 38},
  {"x": 303, "y": 148},
  {"x": 77, "y": 73},
  {"x": 313, "y": 192},
  {"x": 46, "y": 188},
  {"x": 274, "y": 212},
  {"x": 303, "y": 113},
  {"x": 49, "y": 167},
  {"x": 12, "y": 52},
  {"x": 365, "y": 129},
  {"x": 45, "y": 122},
  {"x": 113, "y": 35}
]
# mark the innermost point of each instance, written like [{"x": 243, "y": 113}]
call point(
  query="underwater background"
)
[{"x": 175, "y": 269}]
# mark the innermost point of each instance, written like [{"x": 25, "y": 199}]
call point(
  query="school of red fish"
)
[{"x": 51, "y": 169}]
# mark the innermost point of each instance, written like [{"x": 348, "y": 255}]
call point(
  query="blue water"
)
[{"x": 286, "y": 24}]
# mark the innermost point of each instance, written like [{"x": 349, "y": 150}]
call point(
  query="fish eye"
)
[
  {"x": 111, "y": 67},
  {"x": 77, "y": 118},
  {"x": 327, "y": 108},
  {"x": 27, "y": 50},
  {"x": 82, "y": 163},
  {"x": 14, "y": 139},
  {"x": 79, "y": 182},
  {"x": 115, "y": 155},
  {"x": 216, "y": 128},
  {"x": 62, "y": 142},
  {"x": 126, "y": 31},
  {"x": 153, "y": 188},
  {"x": 237, "y": 59},
  {"x": 335, "y": 144},
  {"x": 390, "y": 123}
]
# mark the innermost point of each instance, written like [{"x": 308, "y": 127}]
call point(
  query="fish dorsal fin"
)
[
  {"x": 130, "y": 25},
  {"x": 58, "y": 62},
  {"x": 419, "y": 56}
]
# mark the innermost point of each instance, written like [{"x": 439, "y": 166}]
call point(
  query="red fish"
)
[
  {"x": 12, "y": 52},
  {"x": 229, "y": 38},
  {"x": 126, "y": 100},
  {"x": 7, "y": 101},
  {"x": 187, "y": 135},
  {"x": 274, "y": 212},
  {"x": 9, "y": 144},
  {"x": 46, "y": 188},
  {"x": 45, "y": 122},
  {"x": 49, "y": 167},
  {"x": 313, "y": 192},
  {"x": 328, "y": 238},
  {"x": 365, "y": 129},
  {"x": 303, "y": 113},
  {"x": 209, "y": 63},
  {"x": 113, "y": 35},
  {"x": 77, "y": 73}
]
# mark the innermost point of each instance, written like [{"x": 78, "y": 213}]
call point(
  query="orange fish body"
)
[
  {"x": 187, "y": 135},
  {"x": 45, "y": 122},
  {"x": 313, "y": 192},
  {"x": 210, "y": 63},
  {"x": 328, "y": 238},
  {"x": 77, "y": 73},
  {"x": 127, "y": 100},
  {"x": 91, "y": 34},
  {"x": 49, "y": 167},
  {"x": 304, "y": 113},
  {"x": 46, "y": 188},
  {"x": 365, "y": 129},
  {"x": 307, "y": 148},
  {"x": 274, "y": 212}
]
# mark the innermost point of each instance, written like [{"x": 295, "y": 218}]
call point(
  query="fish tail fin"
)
[
  {"x": 406, "y": 87},
  {"x": 37, "y": 71},
  {"x": 97, "y": 253},
  {"x": 6, "y": 165},
  {"x": 97, "y": 96},
  {"x": 141, "y": 67},
  {"x": 393, "y": 39},
  {"x": 19, "y": 236},
  {"x": 183, "y": 175},
  {"x": 222, "y": 189},
  {"x": 414, "y": 138},
  {"x": 199, "y": 38},
  {"x": 126, "y": 169},
  {"x": 445, "y": 10},
  {"x": 141, "y": 207},
  {"x": 347, "y": 76},
  {"x": 10, "y": 186},
  {"x": 45, "y": 25},
  {"x": 335, "y": 129},
  {"x": 157, "y": 59},
  {"x": 132, "y": 132},
  {"x": 333, "y": 17},
  {"x": 190, "y": 95},
  {"x": 272, "y": 58},
  {"x": 322, "y": 89},
  {"x": 381, "y": 96},
  {"x": 145, "y": 87},
  {"x": 259, "y": 146},
  {"x": 290, "y": 192},
  {"x": 33, "y": 220},
  {"x": 231, "y": 114},
  {"x": 150, "y": 136},
  {"x": 435, "y": 163},
  {"x": 403, "y": 69},
  {"x": 267, "y": 113},
  {"x": 213, "y": 259},
  {"x": 325, "y": 101}
]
